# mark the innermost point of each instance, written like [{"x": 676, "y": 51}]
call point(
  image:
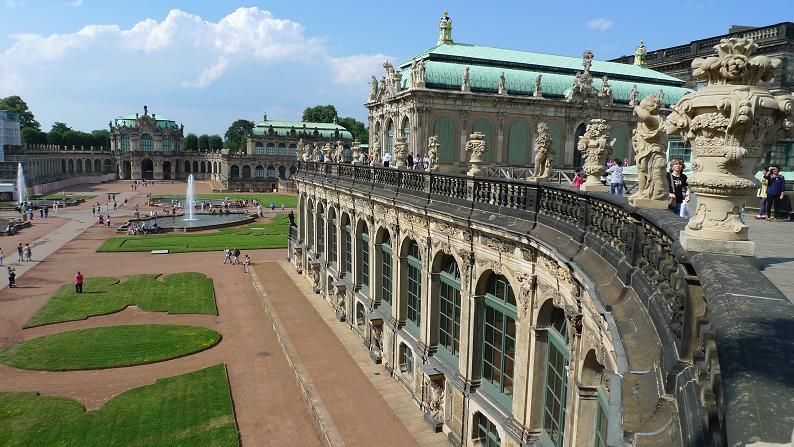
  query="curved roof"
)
[
  {"x": 132, "y": 121},
  {"x": 284, "y": 128}
]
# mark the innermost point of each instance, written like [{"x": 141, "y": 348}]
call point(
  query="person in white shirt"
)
[
  {"x": 305, "y": 156},
  {"x": 361, "y": 157},
  {"x": 616, "y": 177},
  {"x": 386, "y": 159}
]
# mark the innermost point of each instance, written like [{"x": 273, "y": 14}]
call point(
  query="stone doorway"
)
[
  {"x": 147, "y": 169},
  {"x": 166, "y": 170},
  {"x": 126, "y": 170}
]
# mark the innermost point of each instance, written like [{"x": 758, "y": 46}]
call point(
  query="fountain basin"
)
[{"x": 199, "y": 222}]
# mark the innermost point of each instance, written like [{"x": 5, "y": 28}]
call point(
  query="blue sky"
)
[{"x": 207, "y": 63}]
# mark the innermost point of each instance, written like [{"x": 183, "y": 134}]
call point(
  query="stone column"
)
[{"x": 731, "y": 124}]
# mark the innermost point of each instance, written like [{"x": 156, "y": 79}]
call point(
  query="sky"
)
[{"x": 208, "y": 63}]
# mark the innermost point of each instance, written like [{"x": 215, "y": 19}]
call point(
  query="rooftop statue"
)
[
  {"x": 445, "y": 29},
  {"x": 502, "y": 89},
  {"x": 633, "y": 95},
  {"x": 374, "y": 151},
  {"x": 464, "y": 80},
  {"x": 538, "y": 92},
  {"x": 605, "y": 95},
  {"x": 650, "y": 151},
  {"x": 640, "y": 55},
  {"x": 373, "y": 89}
]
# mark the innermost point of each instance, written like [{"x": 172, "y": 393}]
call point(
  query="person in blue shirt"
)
[
  {"x": 775, "y": 190},
  {"x": 616, "y": 177}
]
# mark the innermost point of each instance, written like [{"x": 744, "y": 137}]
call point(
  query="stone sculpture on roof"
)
[
  {"x": 432, "y": 153},
  {"x": 595, "y": 146},
  {"x": 650, "y": 152},
  {"x": 731, "y": 123},
  {"x": 464, "y": 81},
  {"x": 633, "y": 95},
  {"x": 356, "y": 151},
  {"x": 374, "y": 151},
  {"x": 420, "y": 73},
  {"x": 445, "y": 29},
  {"x": 582, "y": 89},
  {"x": 640, "y": 55},
  {"x": 502, "y": 90},
  {"x": 538, "y": 92},
  {"x": 476, "y": 147},
  {"x": 544, "y": 157},
  {"x": 605, "y": 95},
  {"x": 373, "y": 89},
  {"x": 301, "y": 150}
]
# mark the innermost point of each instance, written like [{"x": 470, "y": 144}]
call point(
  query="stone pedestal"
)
[
  {"x": 594, "y": 186},
  {"x": 692, "y": 243},
  {"x": 649, "y": 203}
]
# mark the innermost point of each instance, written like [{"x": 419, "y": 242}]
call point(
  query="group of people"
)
[
  {"x": 24, "y": 254},
  {"x": 232, "y": 255},
  {"x": 135, "y": 184},
  {"x": 412, "y": 161},
  {"x": 771, "y": 193}
]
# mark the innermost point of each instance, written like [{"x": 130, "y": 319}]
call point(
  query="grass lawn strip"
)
[
  {"x": 265, "y": 198},
  {"x": 273, "y": 234},
  {"x": 109, "y": 347},
  {"x": 59, "y": 196},
  {"x": 180, "y": 293},
  {"x": 188, "y": 410}
]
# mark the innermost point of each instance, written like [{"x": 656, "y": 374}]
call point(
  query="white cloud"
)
[
  {"x": 601, "y": 24},
  {"x": 16, "y": 3},
  {"x": 209, "y": 74},
  {"x": 75, "y": 3},
  {"x": 356, "y": 69}
]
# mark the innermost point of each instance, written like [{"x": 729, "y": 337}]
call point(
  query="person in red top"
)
[{"x": 78, "y": 282}]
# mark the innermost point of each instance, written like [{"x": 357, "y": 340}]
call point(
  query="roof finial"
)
[
  {"x": 445, "y": 29},
  {"x": 264, "y": 117},
  {"x": 145, "y": 110},
  {"x": 640, "y": 55}
]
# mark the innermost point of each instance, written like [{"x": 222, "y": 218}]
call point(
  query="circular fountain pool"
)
[{"x": 199, "y": 222}]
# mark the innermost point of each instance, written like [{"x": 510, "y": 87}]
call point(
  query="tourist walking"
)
[
  {"x": 46, "y": 212},
  {"x": 20, "y": 254},
  {"x": 28, "y": 252},
  {"x": 78, "y": 282},
  {"x": 616, "y": 178},
  {"x": 386, "y": 159},
  {"x": 272, "y": 207},
  {"x": 246, "y": 263},
  {"x": 775, "y": 190},
  {"x": 41, "y": 213},
  {"x": 1, "y": 257},
  {"x": 227, "y": 255},
  {"x": 578, "y": 179},
  {"x": 679, "y": 188},
  {"x": 762, "y": 195},
  {"x": 108, "y": 220},
  {"x": 12, "y": 278},
  {"x": 236, "y": 256},
  {"x": 282, "y": 206}
]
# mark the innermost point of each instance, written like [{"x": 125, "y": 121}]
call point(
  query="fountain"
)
[
  {"x": 21, "y": 186},
  {"x": 190, "y": 200}
]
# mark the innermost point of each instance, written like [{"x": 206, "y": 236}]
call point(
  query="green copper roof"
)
[
  {"x": 284, "y": 128},
  {"x": 132, "y": 121},
  {"x": 499, "y": 57},
  {"x": 522, "y": 82}
]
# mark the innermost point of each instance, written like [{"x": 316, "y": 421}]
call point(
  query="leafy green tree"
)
[
  {"x": 216, "y": 142},
  {"x": 355, "y": 127},
  {"x": 191, "y": 142},
  {"x": 16, "y": 104},
  {"x": 320, "y": 114},
  {"x": 58, "y": 127},
  {"x": 73, "y": 138},
  {"x": 237, "y": 133},
  {"x": 30, "y": 135},
  {"x": 100, "y": 138},
  {"x": 204, "y": 143}
]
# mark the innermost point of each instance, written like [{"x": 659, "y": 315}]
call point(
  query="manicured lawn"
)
[
  {"x": 264, "y": 198},
  {"x": 273, "y": 234},
  {"x": 69, "y": 196},
  {"x": 189, "y": 410},
  {"x": 180, "y": 293},
  {"x": 109, "y": 347}
]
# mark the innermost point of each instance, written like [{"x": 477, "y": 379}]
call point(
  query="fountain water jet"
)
[
  {"x": 190, "y": 200},
  {"x": 21, "y": 186}
]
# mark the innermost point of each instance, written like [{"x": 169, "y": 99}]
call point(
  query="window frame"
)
[
  {"x": 447, "y": 281},
  {"x": 508, "y": 312},
  {"x": 413, "y": 289},
  {"x": 557, "y": 342},
  {"x": 363, "y": 262}
]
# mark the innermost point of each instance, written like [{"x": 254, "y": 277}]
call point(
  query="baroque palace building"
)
[{"x": 454, "y": 89}]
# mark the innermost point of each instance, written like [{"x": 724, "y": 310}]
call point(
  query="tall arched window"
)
[
  {"x": 413, "y": 303},
  {"x": 347, "y": 245},
  {"x": 246, "y": 171},
  {"x": 405, "y": 128},
  {"x": 259, "y": 149},
  {"x": 125, "y": 143},
  {"x": 555, "y": 388},
  {"x": 282, "y": 150},
  {"x": 518, "y": 144},
  {"x": 234, "y": 171},
  {"x": 449, "y": 310},
  {"x": 320, "y": 225},
  {"x": 271, "y": 171},
  {"x": 260, "y": 171},
  {"x": 389, "y": 136},
  {"x": 386, "y": 269},
  {"x": 499, "y": 338},
  {"x": 282, "y": 172},
  {"x": 270, "y": 149},
  {"x": 332, "y": 248},
  {"x": 485, "y": 126},
  {"x": 362, "y": 256},
  {"x": 165, "y": 145},
  {"x": 486, "y": 434},
  {"x": 293, "y": 150},
  {"x": 187, "y": 167},
  {"x": 444, "y": 128},
  {"x": 147, "y": 143}
]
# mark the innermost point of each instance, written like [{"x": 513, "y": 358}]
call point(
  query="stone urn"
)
[
  {"x": 476, "y": 147},
  {"x": 595, "y": 146},
  {"x": 730, "y": 123}
]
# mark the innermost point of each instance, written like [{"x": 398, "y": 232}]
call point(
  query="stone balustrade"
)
[{"x": 699, "y": 339}]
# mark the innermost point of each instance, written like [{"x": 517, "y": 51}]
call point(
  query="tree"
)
[
  {"x": 216, "y": 142},
  {"x": 191, "y": 142},
  {"x": 58, "y": 127},
  {"x": 237, "y": 133},
  {"x": 204, "y": 143},
  {"x": 100, "y": 139},
  {"x": 30, "y": 135},
  {"x": 16, "y": 104},
  {"x": 320, "y": 114},
  {"x": 355, "y": 127}
]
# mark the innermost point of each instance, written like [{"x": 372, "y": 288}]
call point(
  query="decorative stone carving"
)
[
  {"x": 301, "y": 150},
  {"x": 544, "y": 156},
  {"x": 356, "y": 151},
  {"x": 633, "y": 95},
  {"x": 432, "y": 153},
  {"x": 582, "y": 89},
  {"x": 605, "y": 94},
  {"x": 445, "y": 29},
  {"x": 340, "y": 152},
  {"x": 400, "y": 152},
  {"x": 476, "y": 147},
  {"x": 373, "y": 89},
  {"x": 316, "y": 152},
  {"x": 374, "y": 151},
  {"x": 538, "y": 92},
  {"x": 435, "y": 401},
  {"x": 650, "y": 152},
  {"x": 595, "y": 146},
  {"x": 314, "y": 274},
  {"x": 377, "y": 341},
  {"x": 502, "y": 89},
  {"x": 499, "y": 245},
  {"x": 730, "y": 123},
  {"x": 661, "y": 96},
  {"x": 464, "y": 81},
  {"x": 640, "y": 54},
  {"x": 420, "y": 74},
  {"x": 528, "y": 284}
]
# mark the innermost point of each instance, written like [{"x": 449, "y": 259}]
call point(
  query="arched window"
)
[
  {"x": 270, "y": 149},
  {"x": 97, "y": 165},
  {"x": 271, "y": 171},
  {"x": 147, "y": 143},
  {"x": 203, "y": 167},
  {"x": 260, "y": 171},
  {"x": 63, "y": 165},
  {"x": 292, "y": 171},
  {"x": 518, "y": 144},
  {"x": 107, "y": 165},
  {"x": 195, "y": 167},
  {"x": 486, "y": 434},
  {"x": 79, "y": 165},
  {"x": 619, "y": 149},
  {"x": 282, "y": 172},
  {"x": 165, "y": 145},
  {"x": 446, "y": 131},
  {"x": 362, "y": 241},
  {"x": 234, "y": 171},
  {"x": 347, "y": 245},
  {"x": 320, "y": 226},
  {"x": 406, "y": 360},
  {"x": 187, "y": 167},
  {"x": 332, "y": 248},
  {"x": 293, "y": 150},
  {"x": 405, "y": 128},
  {"x": 282, "y": 150},
  {"x": 259, "y": 149},
  {"x": 87, "y": 165},
  {"x": 71, "y": 165},
  {"x": 413, "y": 309},
  {"x": 389, "y": 136},
  {"x": 386, "y": 269},
  {"x": 309, "y": 217},
  {"x": 485, "y": 126},
  {"x": 499, "y": 338},
  {"x": 125, "y": 143},
  {"x": 555, "y": 388},
  {"x": 246, "y": 171},
  {"x": 449, "y": 310}
]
